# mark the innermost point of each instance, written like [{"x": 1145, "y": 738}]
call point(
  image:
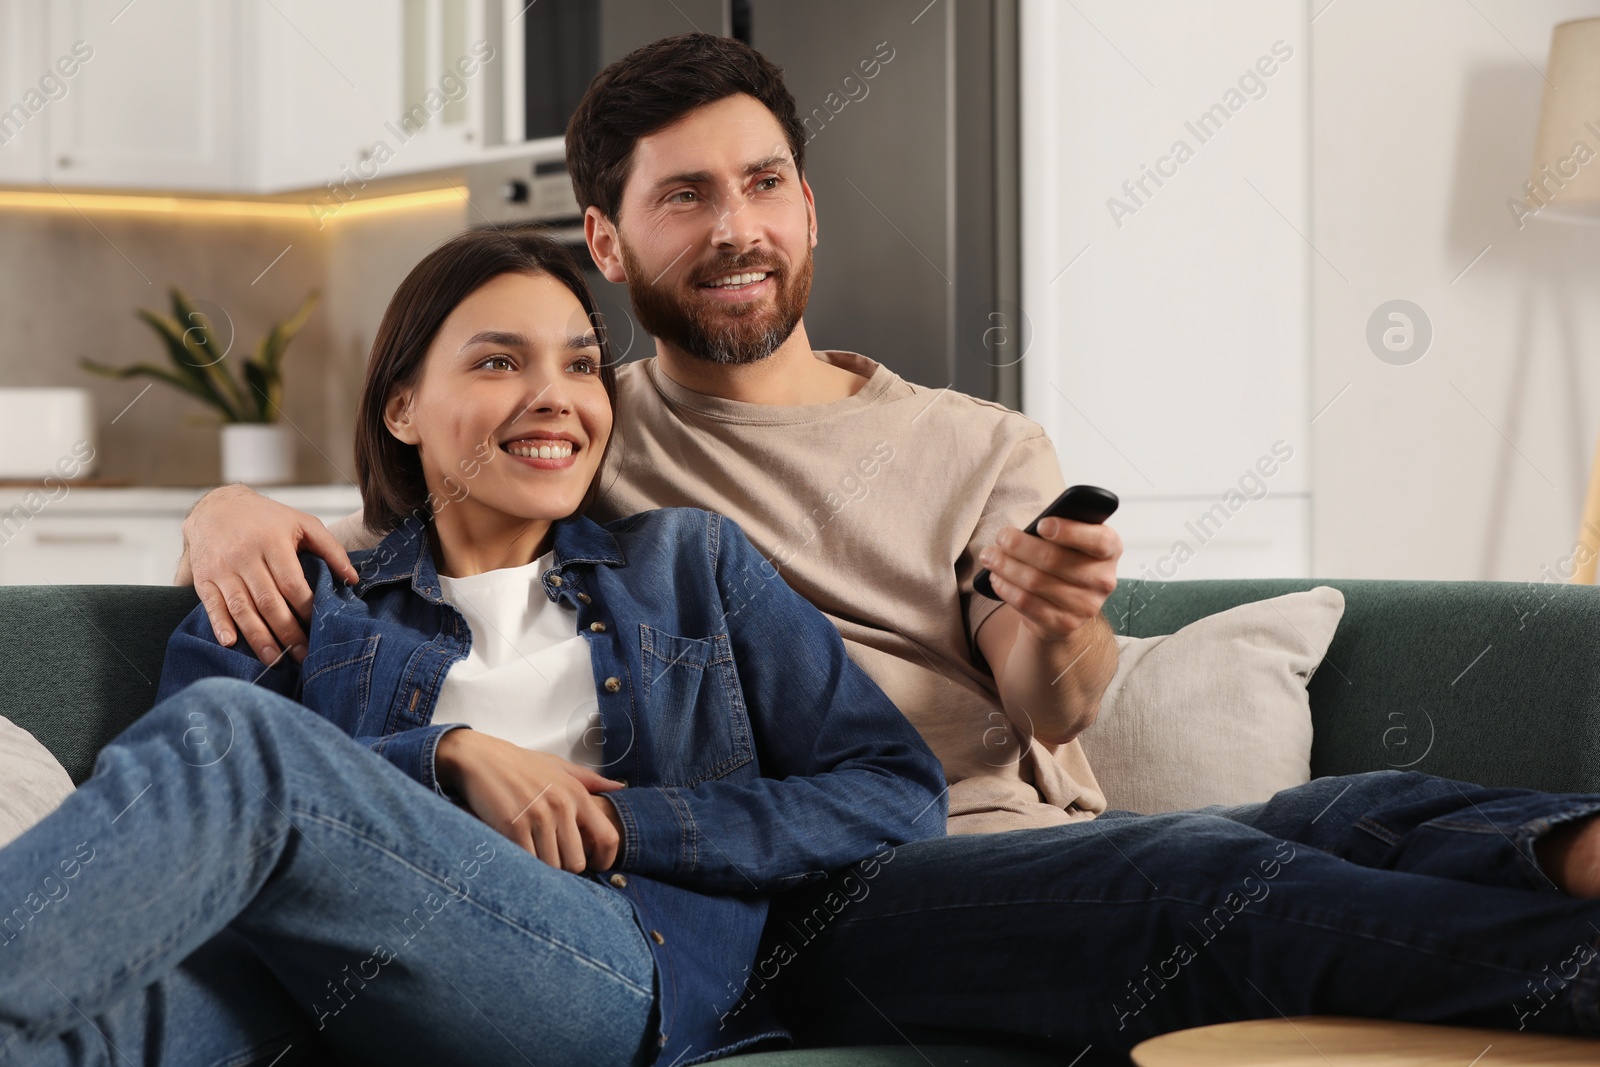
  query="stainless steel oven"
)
[{"x": 535, "y": 188}]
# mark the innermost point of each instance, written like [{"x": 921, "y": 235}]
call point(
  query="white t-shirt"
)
[{"x": 527, "y": 678}]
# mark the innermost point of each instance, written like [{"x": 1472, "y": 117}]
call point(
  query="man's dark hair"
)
[
  {"x": 388, "y": 470},
  {"x": 654, "y": 86}
]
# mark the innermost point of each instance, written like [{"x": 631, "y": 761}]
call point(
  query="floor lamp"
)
[{"x": 1565, "y": 185}]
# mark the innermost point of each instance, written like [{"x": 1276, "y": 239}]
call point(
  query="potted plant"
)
[{"x": 256, "y": 448}]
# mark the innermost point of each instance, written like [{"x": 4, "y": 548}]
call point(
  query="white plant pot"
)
[{"x": 257, "y": 453}]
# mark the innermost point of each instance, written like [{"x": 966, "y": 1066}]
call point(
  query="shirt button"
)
[
  {"x": 655, "y": 935},
  {"x": 598, "y": 627},
  {"x": 613, "y": 684},
  {"x": 555, "y": 579},
  {"x": 584, "y": 597},
  {"x": 619, "y": 881}
]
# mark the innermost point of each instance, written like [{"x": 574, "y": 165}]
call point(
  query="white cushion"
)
[
  {"x": 1216, "y": 713},
  {"x": 32, "y": 782}
]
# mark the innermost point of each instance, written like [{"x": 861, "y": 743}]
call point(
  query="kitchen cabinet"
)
[
  {"x": 320, "y": 81},
  {"x": 370, "y": 89},
  {"x": 254, "y": 96},
  {"x": 66, "y": 549},
  {"x": 153, "y": 105},
  {"x": 68, "y": 535},
  {"x": 28, "y": 88},
  {"x": 451, "y": 96}
]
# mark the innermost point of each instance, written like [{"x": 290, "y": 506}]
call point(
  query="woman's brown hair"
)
[{"x": 388, "y": 470}]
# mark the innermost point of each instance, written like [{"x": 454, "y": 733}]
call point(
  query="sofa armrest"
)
[{"x": 1496, "y": 683}]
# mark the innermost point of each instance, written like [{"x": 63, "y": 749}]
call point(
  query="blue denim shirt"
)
[{"x": 757, "y": 756}]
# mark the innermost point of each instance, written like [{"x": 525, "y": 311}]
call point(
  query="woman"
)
[{"x": 667, "y": 730}]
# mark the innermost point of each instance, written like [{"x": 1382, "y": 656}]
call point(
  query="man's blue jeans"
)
[
  {"x": 1391, "y": 894},
  {"x": 240, "y": 878}
]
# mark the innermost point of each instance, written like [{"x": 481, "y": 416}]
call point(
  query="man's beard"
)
[{"x": 711, "y": 330}]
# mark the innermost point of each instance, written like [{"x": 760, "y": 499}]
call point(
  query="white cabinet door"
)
[
  {"x": 450, "y": 93},
  {"x": 350, "y": 94},
  {"x": 74, "y": 550},
  {"x": 154, "y": 108},
  {"x": 249, "y": 95},
  {"x": 94, "y": 536},
  {"x": 29, "y": 87},
  {"x": 323, "y": 82}
]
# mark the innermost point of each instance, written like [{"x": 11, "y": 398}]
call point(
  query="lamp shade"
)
[{"x": 1565, "y": 177}]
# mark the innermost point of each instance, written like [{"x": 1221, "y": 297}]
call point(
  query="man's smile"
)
[
  {"x": 736, "y": 281},
  {"x": 740, "y": 288}
]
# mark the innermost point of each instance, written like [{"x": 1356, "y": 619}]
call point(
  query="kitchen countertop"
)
[{"x": 85, "y": 496}]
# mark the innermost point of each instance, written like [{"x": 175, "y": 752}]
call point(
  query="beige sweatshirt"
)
[{"x": 874, "y": 508}]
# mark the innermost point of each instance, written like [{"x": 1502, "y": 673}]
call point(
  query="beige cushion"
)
[
  {"x": 32, "y": 783},
  {"x": 1216, "y": 713}
]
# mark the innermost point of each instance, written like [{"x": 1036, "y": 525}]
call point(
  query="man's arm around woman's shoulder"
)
[{"x": 239, "y": 551}]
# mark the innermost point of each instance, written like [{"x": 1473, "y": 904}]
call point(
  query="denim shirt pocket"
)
[
  {"x": 694, "y": 709},
  {"x": 336, "y": 682}
]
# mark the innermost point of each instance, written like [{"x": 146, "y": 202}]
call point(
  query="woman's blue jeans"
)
[
  {"x": 239, "y": 878},
  {"x": 1392, "y": 894}
]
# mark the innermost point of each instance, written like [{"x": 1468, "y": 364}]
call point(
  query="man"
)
[{"x": 1390, "y": 894}]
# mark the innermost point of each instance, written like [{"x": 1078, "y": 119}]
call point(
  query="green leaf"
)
[
  {"x": 172, "y": 334},
  {"x": 208, "y": 355},
  {"x": 265, "y": 393},
  {"x": 146, "y": 370},
  {"x": 269, "y": 354},
  {"x": 301, "y": 315}
]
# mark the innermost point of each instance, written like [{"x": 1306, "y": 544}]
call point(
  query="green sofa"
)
[{"x": 1490, "y": 682}]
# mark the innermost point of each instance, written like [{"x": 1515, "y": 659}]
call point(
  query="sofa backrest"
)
[
  {"x": 82, "y": 662},
  {"x": 1490, "y": 682}
]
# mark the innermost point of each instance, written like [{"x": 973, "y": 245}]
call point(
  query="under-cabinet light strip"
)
[{"x": 324, "y": 209}]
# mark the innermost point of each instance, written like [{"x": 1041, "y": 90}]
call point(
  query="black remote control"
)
[{"x": 1081, "y": 503}]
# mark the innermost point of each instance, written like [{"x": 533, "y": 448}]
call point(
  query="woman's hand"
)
[{"x": 541, "y": 802}]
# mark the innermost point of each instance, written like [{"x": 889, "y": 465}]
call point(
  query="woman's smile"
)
[{"x": 543, "y": 453}]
